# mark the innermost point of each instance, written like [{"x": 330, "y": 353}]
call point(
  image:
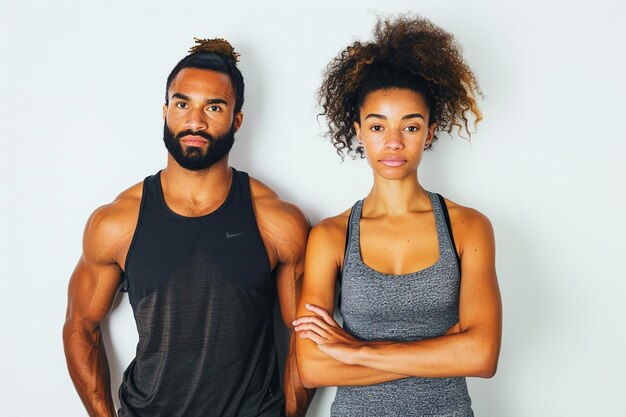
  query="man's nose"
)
[{"x": 196, "y": 120}]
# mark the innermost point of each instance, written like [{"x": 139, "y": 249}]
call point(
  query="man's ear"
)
[{"x": 237, "y": 121}]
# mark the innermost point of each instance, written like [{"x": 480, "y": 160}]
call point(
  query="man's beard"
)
[{"x": 193, "y": 158}]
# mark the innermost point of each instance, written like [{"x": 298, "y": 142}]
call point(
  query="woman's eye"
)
[
  {"x": 412, "y": 128},
  {"x": 376, "y": 128}
]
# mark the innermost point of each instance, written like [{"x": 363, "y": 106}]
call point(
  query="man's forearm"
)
[
  {"x": 89, "y": 369},
  {"x": 297, "y": 397}
]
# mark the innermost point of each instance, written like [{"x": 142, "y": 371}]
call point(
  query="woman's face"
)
[{"x": 394, "y": 131}]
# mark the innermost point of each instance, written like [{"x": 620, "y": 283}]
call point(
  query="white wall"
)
[{"x": 81, "y": 93}]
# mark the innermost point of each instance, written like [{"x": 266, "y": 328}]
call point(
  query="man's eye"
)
[
  {"x": 214, "y": 108},
  {"x": 181, "y": 105}
]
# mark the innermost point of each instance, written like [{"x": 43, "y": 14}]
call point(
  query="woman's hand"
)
[{"x": 329, "y": 337}]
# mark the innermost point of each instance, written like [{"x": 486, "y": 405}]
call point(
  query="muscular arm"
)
[
  {"x": 324, "y": 256},
  {"x": 284, "y": 229},
  {"x": 469, "y": 349},
  {"x": 92, "y": 289}
]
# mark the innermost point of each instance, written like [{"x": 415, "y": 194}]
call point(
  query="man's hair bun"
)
[{"x": 216, "y": 46}]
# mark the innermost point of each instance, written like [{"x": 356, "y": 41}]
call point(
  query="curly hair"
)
[{"x": 407, "y": 52}]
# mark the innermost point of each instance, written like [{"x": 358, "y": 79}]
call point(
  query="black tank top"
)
[{"x": 202, "y": 294}]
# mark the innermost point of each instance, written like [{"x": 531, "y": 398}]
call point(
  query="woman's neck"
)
[{"x": 396, "y": 197}]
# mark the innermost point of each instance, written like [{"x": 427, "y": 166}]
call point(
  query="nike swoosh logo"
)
[{"x": 229, "y": 235}]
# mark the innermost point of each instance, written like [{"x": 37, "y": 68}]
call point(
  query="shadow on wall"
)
[
  {"x": 253, "y": 110},
  {"x": 526, "y": 307},
  {"x": 115, "y": 351}
]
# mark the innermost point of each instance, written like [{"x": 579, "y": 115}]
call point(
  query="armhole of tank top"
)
[
  {"x": 246, "y": 191},
  {"x": 135, "y": 234},
  {"x": 345, "y": 248},
  {"x": 345, "y": 255},
  {"x": 446, "y": 216}
]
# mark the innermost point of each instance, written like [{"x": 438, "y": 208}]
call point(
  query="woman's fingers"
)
[
  {"x": 310, "y": 319},
  {"x": 311, "y": 335},
  {"x": 312, "y": 326},
  {"x": 322, "y": 313}
]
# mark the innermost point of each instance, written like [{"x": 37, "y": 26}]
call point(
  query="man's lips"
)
[{"x": 193, "y": 140}]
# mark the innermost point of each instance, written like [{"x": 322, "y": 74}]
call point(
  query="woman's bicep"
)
[
  {"x": 318, "y": 287},
  {"x": 321, "y": 266},
  {"x": 480, "y": 307}
]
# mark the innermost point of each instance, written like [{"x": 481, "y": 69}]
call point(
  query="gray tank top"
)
[{"x": 414, "y": 306}]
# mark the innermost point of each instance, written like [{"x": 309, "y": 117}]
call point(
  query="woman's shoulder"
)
[
  {"x": 327, "y": 239},
  {"x": 331, "y": 230},
  {"x": 464, "y": 214},
  {"x": 467, "y": 222},
  {"x": 334, "y": 224}
]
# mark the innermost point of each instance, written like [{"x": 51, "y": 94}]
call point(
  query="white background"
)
[{"x": 82, "y": 84}]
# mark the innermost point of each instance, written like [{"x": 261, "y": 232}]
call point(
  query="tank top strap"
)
[
  {"x": 240, "y": 189},
  {"x": 353, "y": 235},
  {"x": 152, "y": 197},
  {"x": 446, "y": 247},
  {"x": 445, "y": 240}
]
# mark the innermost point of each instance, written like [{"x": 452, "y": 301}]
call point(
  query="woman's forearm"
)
[
  {"x": 329, "y": 372},
  {"x": 468, "y": 353}
]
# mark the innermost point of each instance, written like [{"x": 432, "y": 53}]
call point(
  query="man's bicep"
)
[
  {"x": 97, "y": 275},
  {"x": 288, "y": 282},
  {"x": 290, "y": 244},
  {"x": 91, "y": 292}
]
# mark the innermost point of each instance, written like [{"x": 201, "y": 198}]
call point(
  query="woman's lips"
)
[{"x": 392, "y": 162}]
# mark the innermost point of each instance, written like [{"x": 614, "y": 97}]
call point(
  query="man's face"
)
[{"x": 199, "y": 124}]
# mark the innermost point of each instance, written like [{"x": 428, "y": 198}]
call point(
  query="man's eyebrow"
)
[
  {"x": 408, "y": 116},
  {"x": 216, "y": 101},
  {"x": 208, "y": 101},
  {"x": 181, "y": 96}
]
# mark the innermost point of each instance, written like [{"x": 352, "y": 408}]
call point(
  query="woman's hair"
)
[{"x": 407, "y": 52}]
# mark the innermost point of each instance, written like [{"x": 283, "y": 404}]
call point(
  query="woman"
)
[{"x": 419, "y": 296}]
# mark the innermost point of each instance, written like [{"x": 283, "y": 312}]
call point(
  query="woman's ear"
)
[
  {"x": 431, "y": 135},
  {"x": 357, "y": 129}
]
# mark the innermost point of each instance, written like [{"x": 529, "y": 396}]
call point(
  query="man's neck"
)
[{"x": 199, "y": 191}]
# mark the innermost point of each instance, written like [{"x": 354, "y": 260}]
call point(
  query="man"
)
[{"x": 201, "y": 249}]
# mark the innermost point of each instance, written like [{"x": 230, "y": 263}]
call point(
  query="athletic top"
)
[
  {"x": 406, "y": 307},
  {"x": 202, "y": 294}
]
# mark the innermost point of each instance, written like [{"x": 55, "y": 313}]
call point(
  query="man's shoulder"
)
[
  {"x": 125, "y": 204},
  {"x": 282, "y": 224},
  {"x": 110, "y": 222},
  {"x": 267, "y": 203}
]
